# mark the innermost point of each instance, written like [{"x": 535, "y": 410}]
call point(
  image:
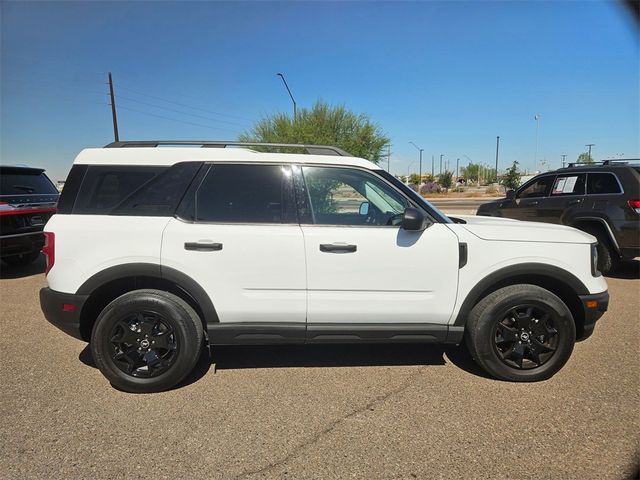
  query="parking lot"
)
[{"x": 324, "y": 412}]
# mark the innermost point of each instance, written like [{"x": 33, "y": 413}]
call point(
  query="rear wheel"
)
[
  {"x": 22, "y": 259},
  {"x": 521, "y": 333},
  {"x": 146, "y": 341}
]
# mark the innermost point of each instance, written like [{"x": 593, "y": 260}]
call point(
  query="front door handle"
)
[
  {"x": 531, "y": 204},
  {"x": 574, "y": 202},
  {"x": 337, "y": 248},
  {"x": 202, "y": 246}
]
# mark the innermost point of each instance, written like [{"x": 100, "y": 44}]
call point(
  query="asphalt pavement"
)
[{"x": 325, "y": 412}]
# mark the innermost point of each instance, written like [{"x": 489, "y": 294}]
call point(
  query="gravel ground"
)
[{"x": 322, "y": 412}]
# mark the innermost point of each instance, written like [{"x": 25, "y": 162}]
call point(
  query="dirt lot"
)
[{"x": 323, "y": 412}]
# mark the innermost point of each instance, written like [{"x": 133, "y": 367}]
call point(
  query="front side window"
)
[
  {"x": 568, "y": 185},
  {"x": 600, "y": 183},
  {"x": 343, "y": 196},
  {"x": 538, "y": 188},
  {"x": 241, "y": 194}
]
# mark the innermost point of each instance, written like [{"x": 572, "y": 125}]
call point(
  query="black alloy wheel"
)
[
  {"x": 526, "y": 337},
  {"x": 143, "y": 344}
]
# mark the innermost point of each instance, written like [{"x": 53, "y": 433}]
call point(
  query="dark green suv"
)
[{"x": 602, "y": 199}]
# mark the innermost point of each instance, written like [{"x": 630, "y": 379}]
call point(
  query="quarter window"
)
[
  {"x": 342, "y": 196},
  {"x": 539, "y": 188},
  {"x": 599, "y": 183},
  {"x": 568, "y": 185},
  {"x": 241, "y": 194}
]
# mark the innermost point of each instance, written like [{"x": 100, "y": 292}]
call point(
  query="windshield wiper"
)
[{"x": 24, "y": 187}]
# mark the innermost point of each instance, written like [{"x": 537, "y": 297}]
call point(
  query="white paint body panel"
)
[
  {"x": 88, "y": 244},
  {"x": 395, "y": 276},
  {"x": 258, "y": 276}
]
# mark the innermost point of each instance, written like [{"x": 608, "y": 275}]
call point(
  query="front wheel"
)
[
  {"x": 146, "y": 341},
  {"x": 521, "y": 333}
]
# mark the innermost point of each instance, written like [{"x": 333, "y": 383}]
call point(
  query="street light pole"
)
[
  {"x": 497, "y": 150},
  {"x": 433, "y": 161},
  {"x": 563, "y": 157},
  {"x": 290, "y": 94},
  {"x": 457, "y": 165},
  {"x": 590, "y": 145},
  {"x": 421, "y": 150},
  {"x": 535, "y": 160},
  {"x": 441, "y": 164}
]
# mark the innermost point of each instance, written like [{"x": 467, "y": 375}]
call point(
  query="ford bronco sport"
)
[{"x": 156, "y": 253}]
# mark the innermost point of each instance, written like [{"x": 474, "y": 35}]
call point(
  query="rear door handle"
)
[
  {"x": 202, "y": 246},
  {"x": 337, "y": 248},
  {"x": 536, "y": 202},
  {"x": 574, "y": 202}
]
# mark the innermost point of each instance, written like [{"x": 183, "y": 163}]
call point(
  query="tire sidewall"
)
[
  {"x": 485, "y": 340},
  {"x": 172, "y": 313}
]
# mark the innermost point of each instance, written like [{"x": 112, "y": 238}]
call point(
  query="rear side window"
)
[
  {"x": 104, "y": 187},
  {"x": 16, "y": 181},
  {"x": 600, "y": 183},
  {"x": 539, "y": 188},
  {"x": 242, "y": 194},
  {"x": 568, "y": 185}
]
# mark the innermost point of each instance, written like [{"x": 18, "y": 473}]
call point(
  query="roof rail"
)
[
  {"x": 310, "y": 149},
  {"x": 612, "y": 161}
]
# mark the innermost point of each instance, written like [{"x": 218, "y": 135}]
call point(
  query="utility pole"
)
[
  {"x": 497, "y": 151},
  {"x": 563, "y": 162},
  {"x": 421, "y": 150},
  {"x": 535, "y": 160},
  {"x": 116, "y": 137},
  {"x": 457, "y": 165},
  {"x": 433, "y": 161},
  {"x": 388, "y": 156},
  {"x": 590, "y": 145},
  {"x": 441, "y": 164},
  {"x": 290, "y": 94}
]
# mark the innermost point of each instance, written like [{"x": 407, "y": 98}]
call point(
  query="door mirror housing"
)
[
  {"x": 364, "y": 208},
  {"x": 511, "y": 194},
  {"x": 414, "y": 219}
]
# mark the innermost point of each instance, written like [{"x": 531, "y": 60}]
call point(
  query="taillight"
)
[
  {"x": 635, "y": 205},
  {"x": 49, "y": 250}
]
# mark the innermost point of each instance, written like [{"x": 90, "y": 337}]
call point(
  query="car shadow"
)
[
  {"x": 322, "y": 356},
  {"x": 35, "y": 268},
  {"x": 628, "y": 270}
]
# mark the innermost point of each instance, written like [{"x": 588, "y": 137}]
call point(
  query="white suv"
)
[{"x": 157, "y": 252}]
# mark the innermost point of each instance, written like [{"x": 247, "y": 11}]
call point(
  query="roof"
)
[
  {"x": 171, "y": 155},
  {"x": 6, "y": 169}
]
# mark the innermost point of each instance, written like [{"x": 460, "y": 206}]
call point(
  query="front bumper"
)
[
  {"x": 594, "y": 306},
  {"x": 63, "y": 310}
]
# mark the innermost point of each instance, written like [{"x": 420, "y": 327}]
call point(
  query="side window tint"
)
[
  {"x": 341, "y": 196},
  {"x": 241, "y": 194},
  {"x": 539, "y": 188},
  {"x": 104, "y": 187},
  {"x": 598, "y": 183},
  {"x": 568, "y": 185}
]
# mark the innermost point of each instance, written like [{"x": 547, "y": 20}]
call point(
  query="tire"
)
[
  {"x": 608, "y": 258},
  {"x": 493, "y": 333},
  {"x": 22, "y": 259},
  {"x": 123, "y": 339}
]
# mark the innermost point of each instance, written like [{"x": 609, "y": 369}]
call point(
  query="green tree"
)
[
  {"x": 585, "y": 158},
  {"x": 322, "y": 125},
  {"x": 445, "y": 179},
  {"x": 471, "y": 172},
  {"x": 511, "y": 180},
  {"x": 414, "y": 178}
]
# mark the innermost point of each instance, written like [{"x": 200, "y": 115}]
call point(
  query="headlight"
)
[{"x": 594, "y": 260}]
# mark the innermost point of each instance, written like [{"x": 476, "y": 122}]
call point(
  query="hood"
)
[{"x": 507, "y": 229}]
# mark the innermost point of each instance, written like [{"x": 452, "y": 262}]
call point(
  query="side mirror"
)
[
  {"x": 414, "y": 220},
  {"x": 511, "y": 194},
  {"x": 364, "y": 208}
]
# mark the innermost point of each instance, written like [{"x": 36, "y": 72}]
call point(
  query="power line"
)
[
  {"x": 184, "y": 104},
  {"x": 176, "y": 120},
  {"x": 120, "y": 97}
]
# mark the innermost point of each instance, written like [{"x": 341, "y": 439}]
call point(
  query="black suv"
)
[
  {"x": 27, "y": 201},
  {"x": 602, "y": 199}
]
